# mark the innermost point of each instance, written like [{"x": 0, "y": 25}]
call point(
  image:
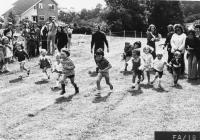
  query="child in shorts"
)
[
  {"x": 21, "y": 56},
  {"x": 44, "y": 62},
  {"x": 175, "y": 64},
  {"x": 136, "y": 65},
  {"x": 158, "y": 66},
  {"x": 104, "y": 67}
]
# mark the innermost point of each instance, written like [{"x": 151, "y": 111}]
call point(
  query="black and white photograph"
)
[{"x": 99, "y": 70}]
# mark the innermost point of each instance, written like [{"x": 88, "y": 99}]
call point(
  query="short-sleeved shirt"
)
[
  {"x": 103, "y": 63},
  {"x": 159, "y": 64}
]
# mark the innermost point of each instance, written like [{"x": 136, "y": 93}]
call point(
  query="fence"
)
[{"x": 135, "y": 34}]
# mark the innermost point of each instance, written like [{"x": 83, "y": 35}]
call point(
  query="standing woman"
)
[
  {"x": 152, "y": 38},
  {"x": 170, "y": 29},
  {"x": 61, "y": 38},
  {"x": 178, "y": 44},
  {"x": 191, "y": 45}
]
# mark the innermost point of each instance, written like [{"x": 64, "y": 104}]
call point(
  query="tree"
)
[
  {"x": 165, "y": 13},
  {"x": 12, "y": 17},
  {"x": 125, "y": 14}
]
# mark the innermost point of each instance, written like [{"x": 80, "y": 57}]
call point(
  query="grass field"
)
[{"x": 29, "y": 110}]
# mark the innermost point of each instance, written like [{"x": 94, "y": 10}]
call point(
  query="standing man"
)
[
  {"x": 52, "y": 29},
  {"x": 98, "y": 40}
]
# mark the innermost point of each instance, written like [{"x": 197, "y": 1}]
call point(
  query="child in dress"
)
[
  {"x": 175, "y": 64},
  {"x": 2, "y": 57},
  {"x": 57, "y": 68},
  {"x": 9, "y": 51},
  {"x": 21, "y": 56},
  {"x": 146, "y": 62},
  {"x": 136, "y": 71},
  {"x": 127, "y": 54},
  {"x": 44, "y": 62},
  {"x": 158, "y": 66},
  {"x": 67, "y": 71},
  {"x": 104, "y": 67}
]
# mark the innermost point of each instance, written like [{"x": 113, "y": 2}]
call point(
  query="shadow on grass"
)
[
  {"x": 146, "y": 86},
  {"x": 126, "y": 73},
  {"x": 63, "y": 99},
  {"x": 160, "y": 89},
  {"x": 99, "y": 99},
  {"x": 41, "y": 82},
  {"x": 194, "y": 82},
  {"x": 92, "y": 73},
  {"x": 16, "y": 80},
  {"x": 135, "y": 92}
]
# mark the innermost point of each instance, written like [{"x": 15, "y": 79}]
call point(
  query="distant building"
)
[{"x": 34, "y": 10}]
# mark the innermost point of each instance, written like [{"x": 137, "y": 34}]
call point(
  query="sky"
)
[{"x": 76, "y": 4}]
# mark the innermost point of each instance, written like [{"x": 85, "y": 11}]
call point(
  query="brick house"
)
[{"x": 34, "y": 10}]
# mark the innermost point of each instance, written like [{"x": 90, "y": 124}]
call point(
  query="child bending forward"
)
[{"x": 104, "y": 67}]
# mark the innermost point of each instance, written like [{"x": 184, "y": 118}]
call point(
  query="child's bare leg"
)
[
  {"x": 133, "y": 79},
  {"x": 99, "y": 77},
  {"x": 156, "y": 76},
  {"x": 45, "y": 71},
  {"x": 107, "y": 78},
  {"x": 148, "y": 77}
]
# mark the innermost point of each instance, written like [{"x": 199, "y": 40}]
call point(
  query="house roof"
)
[{"x": 21, "y": 6}]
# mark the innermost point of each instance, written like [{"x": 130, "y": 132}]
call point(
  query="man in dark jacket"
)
[{"x": 98, "y": 40}]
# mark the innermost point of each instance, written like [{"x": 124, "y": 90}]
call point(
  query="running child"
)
[
  {"x": 44, "y": 62},
  {"x": 104, "y": 67},
  {"x": 21, "y": 56},
  {"x": 158, "y": 66},
  {"x": 175, "y": 63},
  {"x": 57, "y": 68},
  {"x": 127, "y": 54},
  {"x": 68, "y": 71},
  {"x": 146, "y": 62},
  {"x": 136, "y": 65}
]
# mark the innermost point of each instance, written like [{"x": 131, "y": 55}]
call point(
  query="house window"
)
[
  {"x": 41, "y": 17},
  {"x": 40, "y": 5},
  {"x": 35, "y": 18},
  {"x": 51, "y": 6}
]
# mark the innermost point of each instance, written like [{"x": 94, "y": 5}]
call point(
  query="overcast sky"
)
[{"x": 77, "y": 4}]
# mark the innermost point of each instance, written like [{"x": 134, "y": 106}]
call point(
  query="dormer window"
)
[{"x": 40, "y": 6}]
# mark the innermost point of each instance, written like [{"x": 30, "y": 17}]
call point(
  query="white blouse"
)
[{"x": 178, "y": 42}]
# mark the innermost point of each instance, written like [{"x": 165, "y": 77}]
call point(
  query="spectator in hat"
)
[{"x": 8, "y": 32}]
